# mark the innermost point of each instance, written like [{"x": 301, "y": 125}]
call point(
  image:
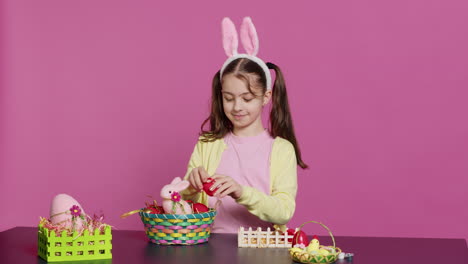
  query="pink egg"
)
[{"x": 61, "y": 204}]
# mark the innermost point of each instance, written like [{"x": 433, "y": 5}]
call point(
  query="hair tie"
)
[{"x": 249, "y": 39}]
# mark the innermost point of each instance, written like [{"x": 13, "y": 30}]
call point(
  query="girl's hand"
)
[
  {"x": 197, "y": 177},
  {"x": 227, "y": 186}
]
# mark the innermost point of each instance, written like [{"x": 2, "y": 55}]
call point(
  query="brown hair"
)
[{"x": 252, "y": 74}]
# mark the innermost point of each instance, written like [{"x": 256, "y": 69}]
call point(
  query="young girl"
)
[{"x": 255, "y": 170}]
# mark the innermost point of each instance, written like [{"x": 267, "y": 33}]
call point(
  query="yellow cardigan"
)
[{"x": 278, "y": 206}]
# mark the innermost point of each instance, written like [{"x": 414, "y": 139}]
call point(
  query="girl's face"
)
[{"x": 243, "y": 108}]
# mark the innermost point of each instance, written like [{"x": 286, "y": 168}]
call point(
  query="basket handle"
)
[
  {"x": 324, "y": 226},
  {"x": 217, "y": 204},
  {"x": 130, "y": 213}
]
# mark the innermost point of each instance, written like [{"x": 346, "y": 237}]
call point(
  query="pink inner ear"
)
[
  {"x": 176, "y": 180},
  {"x": 184, "y": 185},
  {"x": 249, "y": 36},
  {"x": 230, "y": 41}
]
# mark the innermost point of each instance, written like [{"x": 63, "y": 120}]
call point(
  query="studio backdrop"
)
[{"x": 103, "y": 100}]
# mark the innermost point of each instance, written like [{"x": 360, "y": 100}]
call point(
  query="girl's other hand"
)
[
  {"x": 226, "y": 186},
  {"x": 197, "y": 177}
]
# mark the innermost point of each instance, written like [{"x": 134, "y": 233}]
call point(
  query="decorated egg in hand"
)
[
  {"x": 199, "y": 208},
  {"x": 63, "y": 208},
  {"x": 207, "y": 185},
  {"x": 300, "y": 237}
]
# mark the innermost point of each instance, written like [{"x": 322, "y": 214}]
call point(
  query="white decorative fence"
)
[{"x": 263, "y": 239}]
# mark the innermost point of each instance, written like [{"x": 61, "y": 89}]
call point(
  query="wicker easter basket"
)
[
  {"x": 304, "y": 257},
  {"x": 178, "y": 229}
]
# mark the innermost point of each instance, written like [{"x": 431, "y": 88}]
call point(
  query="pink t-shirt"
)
[{"x": 247, "y": 161}]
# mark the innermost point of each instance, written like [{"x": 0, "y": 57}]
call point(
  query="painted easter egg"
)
[
  {"x": 290, "y": 232},
  {"x": 300, "y": 237},
  {"x": 199, "y": 208},
  {"x": 62, "y": 209},
  {"x": 324, "y": 252},
  {"x": 207, "y": 185},
  {"x": 154, "y": 210}
]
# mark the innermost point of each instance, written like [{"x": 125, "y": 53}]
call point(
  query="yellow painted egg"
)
[{"x": 324, "y": 252}]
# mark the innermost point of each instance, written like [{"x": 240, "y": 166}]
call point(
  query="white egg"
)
[{"x": 341, "y": 255}]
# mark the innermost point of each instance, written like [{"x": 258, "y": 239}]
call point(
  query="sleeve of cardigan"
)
[
  {"x": 195, "y": 161},
  {"x": 277, "y": 208}
]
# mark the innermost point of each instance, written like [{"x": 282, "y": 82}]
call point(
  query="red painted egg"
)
[
  {"x": 290, "y": 232},
  {"x": 300, "y": 238},
  {"x": 156, "y": 210},
  {"x": 199, "y": 208},
  {"x": 207, "y": 185}
]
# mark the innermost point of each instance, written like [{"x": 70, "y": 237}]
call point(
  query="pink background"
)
[{"x": 103, "y": 100}]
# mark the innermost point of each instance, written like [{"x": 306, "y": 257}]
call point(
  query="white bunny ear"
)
[
  {"x": 230, "y": 40},
  {"x": 182, "y": 185},
  {"x": 176, "y": 180},
  {"x": 249, "y": 36}
]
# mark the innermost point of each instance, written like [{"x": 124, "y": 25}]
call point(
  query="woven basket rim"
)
[
  {"x": 333, "y": 256},
  {"x": 211, "y": 213}
]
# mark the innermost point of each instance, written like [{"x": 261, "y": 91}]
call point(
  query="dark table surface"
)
[{"x": 19, "y": 245}]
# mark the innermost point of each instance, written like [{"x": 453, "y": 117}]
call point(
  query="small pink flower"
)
[
  {"x": 75, "y": 210},
  {"x": 175, "y": 197}
]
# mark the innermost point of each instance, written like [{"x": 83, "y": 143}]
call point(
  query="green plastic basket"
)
[
  {"x": 71, "y": 247},
  {"x": 178, "y": 229}
]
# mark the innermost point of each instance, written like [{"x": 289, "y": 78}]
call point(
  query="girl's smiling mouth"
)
[{"x": 239, "y": 116}]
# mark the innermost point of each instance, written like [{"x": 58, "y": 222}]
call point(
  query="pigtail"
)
[
  {"x": 281, "y": 124},
  {"x": 218, "y": 121}
]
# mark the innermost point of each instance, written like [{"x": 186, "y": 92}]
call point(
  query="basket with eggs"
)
[
  {"x": 176, "y": 221},
  {"x": 69, "y": 234},
  {"x": 304, "y": 251}
]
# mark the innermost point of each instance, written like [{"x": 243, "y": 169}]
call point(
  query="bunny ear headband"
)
[{"x": 249, "y": 39}]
